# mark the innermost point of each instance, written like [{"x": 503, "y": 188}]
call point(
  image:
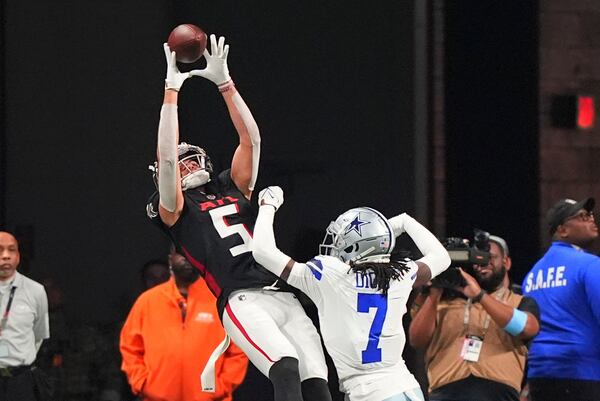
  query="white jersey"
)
[{"x": 361, "y": 327}]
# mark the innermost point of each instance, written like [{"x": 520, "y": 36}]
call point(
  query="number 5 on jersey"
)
[{"x": 225, "y": 230}]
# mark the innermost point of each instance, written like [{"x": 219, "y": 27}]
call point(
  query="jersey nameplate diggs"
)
[
  {"x": 365, "y": 280},
  {"x": 547, "y": 278},
  {"x": 204, "y": 206}
]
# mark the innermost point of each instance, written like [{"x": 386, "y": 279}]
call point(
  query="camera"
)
[{"x": 463, "y": 255}]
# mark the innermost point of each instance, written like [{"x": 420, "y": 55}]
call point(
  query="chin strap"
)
[
  {"x": 195, "y": 179},
  {"x": 374, "y": 259}
]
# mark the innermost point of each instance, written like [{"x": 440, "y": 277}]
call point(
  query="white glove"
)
[
  {"x": 174, "y": 78},
  {"x": 272, "y": 196},
  {"x": 216, "y": 63}
]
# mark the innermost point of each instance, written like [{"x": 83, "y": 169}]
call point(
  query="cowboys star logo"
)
[{"x": 356, "y": 225}]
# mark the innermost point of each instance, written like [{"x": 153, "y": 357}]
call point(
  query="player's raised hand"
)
[
  {"x": 216, "y": 69},
  {"x": 272, "y": 196},
  {"x": 174, "y": 78}
]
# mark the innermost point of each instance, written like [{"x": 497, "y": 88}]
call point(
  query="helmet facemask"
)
[
  {"x": 197, "y": 177},
  {"x": 332, "y": 241},
  {"x": 194, "y": 178}
]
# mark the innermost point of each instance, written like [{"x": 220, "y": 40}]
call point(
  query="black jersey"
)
[{"x": 214, "y": 232}]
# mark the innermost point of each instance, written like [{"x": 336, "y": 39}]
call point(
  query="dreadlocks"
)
[{"x": 384, "y": 272}]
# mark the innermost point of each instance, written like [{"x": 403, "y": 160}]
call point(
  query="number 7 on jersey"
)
[{"x": 365, "y": 302}]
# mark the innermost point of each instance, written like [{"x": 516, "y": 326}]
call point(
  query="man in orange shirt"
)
[{"x": 173, "y": 345}]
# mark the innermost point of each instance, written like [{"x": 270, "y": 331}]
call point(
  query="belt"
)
[{"x": 11, "y": 371}]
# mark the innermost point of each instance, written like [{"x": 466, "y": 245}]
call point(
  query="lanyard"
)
[
  {"x": 7, "y": 311},
  {"x": 486, "y": 322}
]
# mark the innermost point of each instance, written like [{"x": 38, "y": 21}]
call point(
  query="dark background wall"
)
[
  {"x": 491, "y": 124},
  {"x": 329, "y": 85}
]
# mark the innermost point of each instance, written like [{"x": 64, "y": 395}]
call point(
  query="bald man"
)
[{"x": 23, "y": 325}]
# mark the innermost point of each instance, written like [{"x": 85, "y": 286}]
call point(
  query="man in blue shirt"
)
[{"x": 564, "y": 358}]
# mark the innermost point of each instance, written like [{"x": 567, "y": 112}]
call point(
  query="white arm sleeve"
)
[
  {"x": 435, "y": 255},
  {"x": 264, "y": 249},
  {"x": 254, "y": 134},
  {"x": 167, "y": 156},
  {"x": 397, "y": 224}
]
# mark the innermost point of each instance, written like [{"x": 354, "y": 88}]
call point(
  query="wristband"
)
[
  {"x": 263, "y": 203},
  {"x": 517, "y": 323},
  {"x": 170, "y": 88},
  {"x": 478, "y": 297},
  {"x": 226, "y": 86}
]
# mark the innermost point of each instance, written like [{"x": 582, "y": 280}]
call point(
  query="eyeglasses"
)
[{"x": 582, "y": 216}]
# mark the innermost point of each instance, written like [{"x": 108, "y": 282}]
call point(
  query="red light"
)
[{"x": 585, "y": 112}]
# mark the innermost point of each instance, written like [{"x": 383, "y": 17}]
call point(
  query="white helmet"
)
[
  {"x": 357, "y": 234},
  {"x": 198, "y": 177},
  {"x": 195, "y": 178}
]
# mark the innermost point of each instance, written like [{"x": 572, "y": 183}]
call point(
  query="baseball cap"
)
[
  {"x": 501, "y": 242},
  {"x": 565, "y": 208}
]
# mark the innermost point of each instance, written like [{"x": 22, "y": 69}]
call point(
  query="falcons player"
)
[
  {"x": 360, "y": 293},
  {"x": 210, "y": 219}
]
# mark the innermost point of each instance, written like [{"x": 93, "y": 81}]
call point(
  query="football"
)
[{"x": 188, "y": 42}]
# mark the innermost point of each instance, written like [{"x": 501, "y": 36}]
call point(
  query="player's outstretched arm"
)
[
  {"x": 265, "y": 251},
  {"x": 169, "y": 180},
  {"x": 244, "y": 166},
  {"x": 435, "y": 257},
  {"x": 264, "y": 248}
]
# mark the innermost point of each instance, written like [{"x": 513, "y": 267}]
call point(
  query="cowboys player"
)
[
  {"x": 210, "y": 219},
  {"x": 359, "y": 292}
]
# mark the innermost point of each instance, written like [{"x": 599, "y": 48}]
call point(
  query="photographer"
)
[{"x": 476, "y": 341}]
